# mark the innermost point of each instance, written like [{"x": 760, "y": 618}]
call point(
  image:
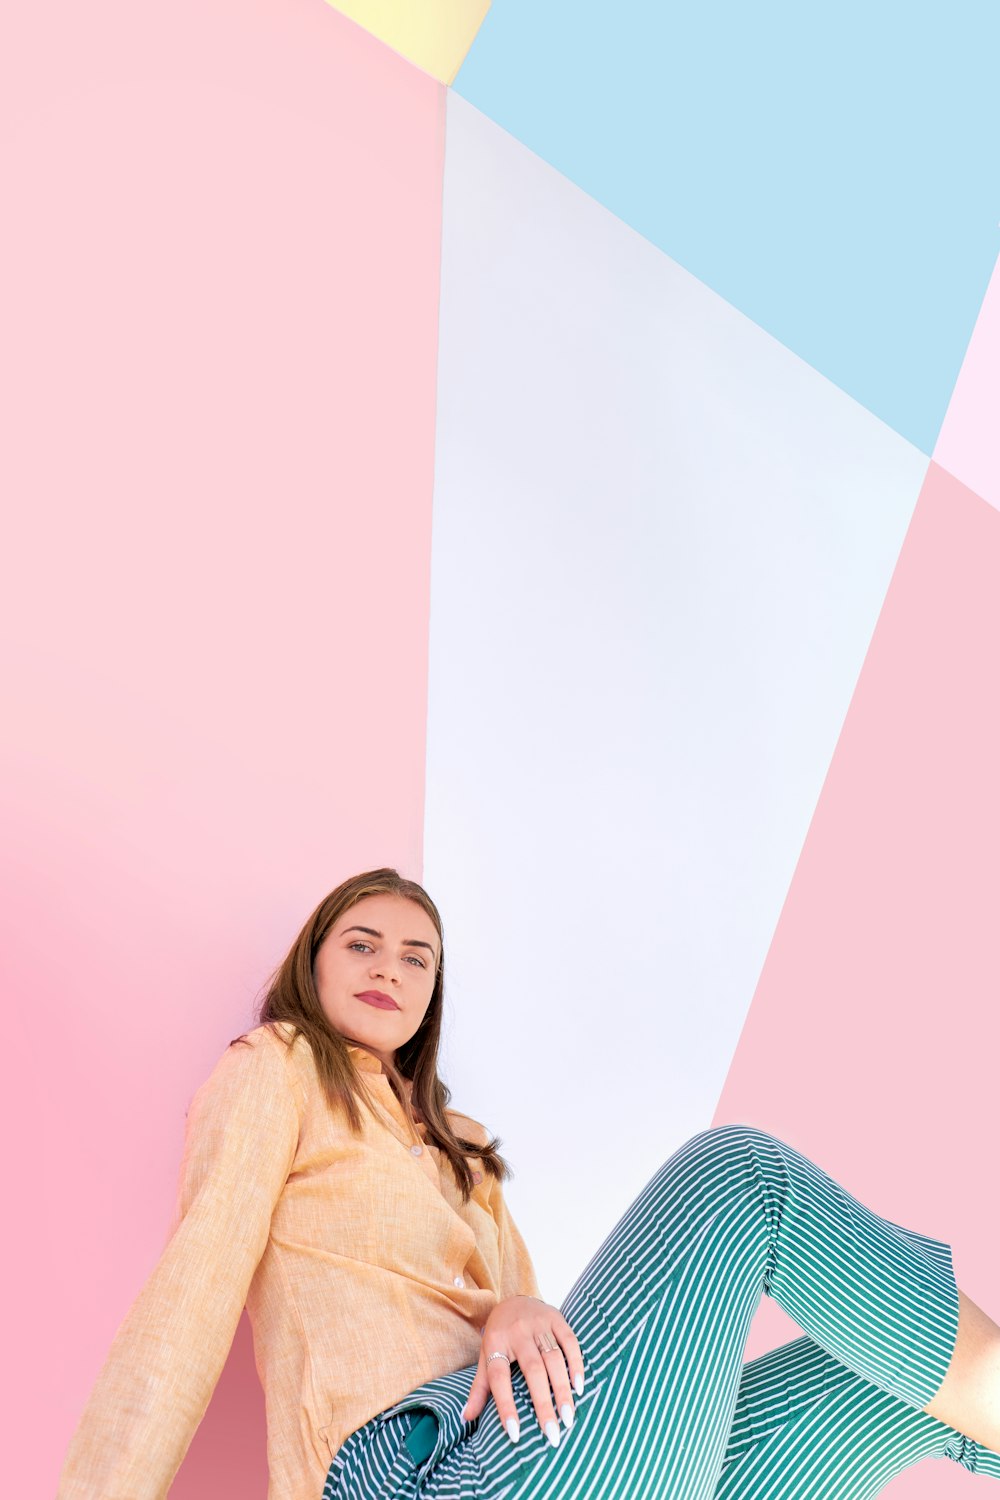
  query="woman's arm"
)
[{"x": 169, "y": 1351}]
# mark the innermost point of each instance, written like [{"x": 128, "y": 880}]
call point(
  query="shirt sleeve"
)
[
  {"x": 168, "y": 1353},
  {"x": 517, "y": 1272}
]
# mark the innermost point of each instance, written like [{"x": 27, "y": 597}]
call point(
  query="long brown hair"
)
[{"x": 291, "y": 996}]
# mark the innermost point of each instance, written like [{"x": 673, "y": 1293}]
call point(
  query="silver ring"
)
[{"x": 497, "y": 1355}]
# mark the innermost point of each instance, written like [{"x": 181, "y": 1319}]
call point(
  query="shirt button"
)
[
  {"x": 459, "y": 1281},
  {"x": 416, "y": 1150}
]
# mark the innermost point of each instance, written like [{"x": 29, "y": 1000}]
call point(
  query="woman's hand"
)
[{"x": 516, "y": 1327}]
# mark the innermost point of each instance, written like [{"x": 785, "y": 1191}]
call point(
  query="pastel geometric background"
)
[{"x": 550, "y": 449}]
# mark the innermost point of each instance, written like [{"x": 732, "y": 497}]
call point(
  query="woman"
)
[{"x": 399, "y": 1331}]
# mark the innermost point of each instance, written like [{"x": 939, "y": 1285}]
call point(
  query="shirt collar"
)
[{"x": 366, "y": 1061}]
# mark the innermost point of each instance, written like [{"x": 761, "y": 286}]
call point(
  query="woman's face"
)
[{"x": 385, "y": 943}]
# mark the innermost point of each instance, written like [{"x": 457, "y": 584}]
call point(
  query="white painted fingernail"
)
[
  {"x": 552, "y": 1433},
  {"x": 513, "y": 1427},
  {"x": 566, "y": 1412},
  {"x": 578, "y": 1384}
]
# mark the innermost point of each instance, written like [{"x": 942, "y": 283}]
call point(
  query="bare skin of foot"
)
[{"x": 969, "y": 1396}]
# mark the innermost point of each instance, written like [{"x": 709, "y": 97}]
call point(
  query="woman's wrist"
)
[{"x": 527, "y": 1296}]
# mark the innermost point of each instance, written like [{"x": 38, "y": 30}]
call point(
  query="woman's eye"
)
[{"x": 360, "y": 943}]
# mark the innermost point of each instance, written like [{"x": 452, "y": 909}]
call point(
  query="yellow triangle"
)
[{"x": 434, "y": 34}]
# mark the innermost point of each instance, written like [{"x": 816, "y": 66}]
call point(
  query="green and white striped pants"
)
[{"x": 669, "y": 1410}]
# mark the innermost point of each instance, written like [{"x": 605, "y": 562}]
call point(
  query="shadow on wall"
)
[{"x": 228, "y": 1454}]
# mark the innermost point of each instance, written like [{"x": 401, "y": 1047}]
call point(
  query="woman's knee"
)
[{"x": 735, "y": 1137}]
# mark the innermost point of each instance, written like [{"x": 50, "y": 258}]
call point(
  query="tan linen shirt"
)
[{"x": 363, "y": 1274}]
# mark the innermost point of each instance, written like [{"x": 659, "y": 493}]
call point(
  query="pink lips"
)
[{"x": 375, "y": 997}]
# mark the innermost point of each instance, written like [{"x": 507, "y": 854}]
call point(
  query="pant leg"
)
[
  {"x": 807, "y": 1428},
  {"x": 665, "y": 1304}
]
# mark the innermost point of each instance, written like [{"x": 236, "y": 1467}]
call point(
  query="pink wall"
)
[
  {"x": 872, "y": 1041},
  {"x": 968, "y": 444},
  {"x": 222, "y": 296}
]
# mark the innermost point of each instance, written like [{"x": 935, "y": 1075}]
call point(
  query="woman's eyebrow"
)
[{"x": 407, "y": 942}]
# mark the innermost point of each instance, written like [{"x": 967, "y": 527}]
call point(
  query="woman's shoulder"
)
[
  {"x": 279, "y": 1035},
  {"x": 469, "y": 1128},
  {"x": 266, "y": 1052}
]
